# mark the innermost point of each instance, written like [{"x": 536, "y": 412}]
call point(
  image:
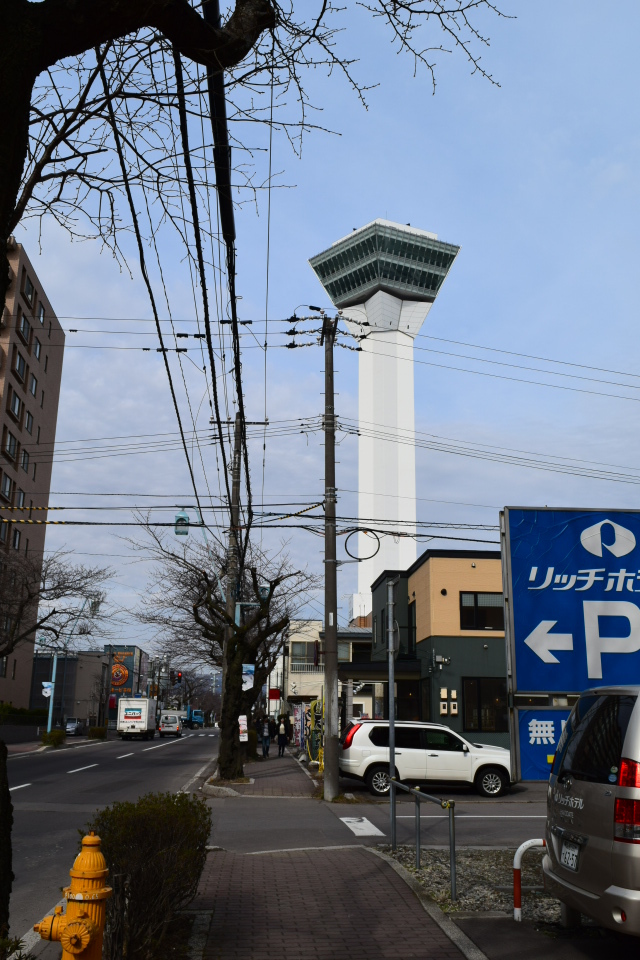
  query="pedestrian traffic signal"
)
[
  {"x": 172, "y": 677},
  {"x": 179, "y": 676}
]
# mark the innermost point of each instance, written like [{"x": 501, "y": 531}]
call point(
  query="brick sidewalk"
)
[
  {"x": 276, "y": 777},
  {"x": 324, "y": 904}
]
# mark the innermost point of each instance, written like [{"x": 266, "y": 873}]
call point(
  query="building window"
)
[
  {"x": 37, "y": 348},
  {"x": 24, "y": 461},
  {"x": 411, "y": 629},
  {"x": 46, "y": 362},
  {"x": 20, "y": 499},
  {"x": 481, "y": 611},
  {"x": 41, "y": 312},
  {"x": 24, "y": 328},
  {"x": 484, "y": 705},
  {"x": 3, "y": 666},
  {"x": 28, "y": 423},
  {"x": 374, "y": 630},
  {"x": 5, "y": 488},
  {"x": 15, "y": 540},
  {"x": 15, "y": 405},
  {"x": 11, "y": 446},
  {"x": 4, "y": 527},
  {"x": 28, "y": 290},
  {"x": 13, "y": 672},
  {"x": 38, "y": 436},
  {"x": 42, "y": 399},
  {"x": 34, "y": 470},
  {"x": 33, "y": 385},
  {"x": 302, "y": 652},
  {"x": 20, "y": 366}
]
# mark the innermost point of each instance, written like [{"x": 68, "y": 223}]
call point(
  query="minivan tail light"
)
[
  {"x": 350, "y": 735},
  {"x": 629, "y": 773},
  {"x": 627, "y": 820}
]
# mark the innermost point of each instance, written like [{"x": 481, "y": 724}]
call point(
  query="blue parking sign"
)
[
  {"x": 539, "y": 732},
  {"x": 573, "y": 598}
]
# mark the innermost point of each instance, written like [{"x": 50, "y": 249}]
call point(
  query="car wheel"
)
[
  {"x": 377, "y": 780},
  {"x": 492, "y": 782}
]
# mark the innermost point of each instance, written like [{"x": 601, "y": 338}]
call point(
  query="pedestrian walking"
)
[
  {"x": 266, "y": 739},
  {"x": 273, "y": 729},
  {"x": 282, "y": 738}
]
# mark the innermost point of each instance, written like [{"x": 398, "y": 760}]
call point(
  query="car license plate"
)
[{"x": 569, "y": 855}]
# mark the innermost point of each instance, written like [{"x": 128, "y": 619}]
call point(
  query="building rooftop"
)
[{"x": 406, "y": 262}]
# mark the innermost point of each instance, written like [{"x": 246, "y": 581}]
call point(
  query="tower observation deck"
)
[{"x": 385, "y": 278}]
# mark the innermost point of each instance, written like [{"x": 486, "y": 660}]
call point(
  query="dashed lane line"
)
[
  {"x": 78, "y": 769},
  {"x": 158, "y": 745},
  {"x": 21, "y": 787},
  {"x": 123, "y": 755}
]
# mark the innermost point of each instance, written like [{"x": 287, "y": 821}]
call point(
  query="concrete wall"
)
[{"x": 469, "y": 657}]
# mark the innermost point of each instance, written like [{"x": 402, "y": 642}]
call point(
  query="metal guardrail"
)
[{"x": 420, "y": 797}]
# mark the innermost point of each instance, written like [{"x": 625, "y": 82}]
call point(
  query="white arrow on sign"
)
[{"x": 542, "y": 642}]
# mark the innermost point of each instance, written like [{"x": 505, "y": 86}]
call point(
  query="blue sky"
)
[{"x": 536, "y": 179}]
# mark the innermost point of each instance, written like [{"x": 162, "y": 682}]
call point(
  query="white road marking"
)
[
  {"x": 22, "y": 785},
  {"x": 158, "y": 745},
  {"x": 78, "y": 769},
  {"x": 473, "y": 816},
  {"x": 362, "y": 827},
  {"x": 202, "y": 734},
  {"x": 123, "y": 755}
]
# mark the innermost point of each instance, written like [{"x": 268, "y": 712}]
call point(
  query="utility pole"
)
[
  {"x": 331, "y": 714},
  {"x": 233, "y": 557}
]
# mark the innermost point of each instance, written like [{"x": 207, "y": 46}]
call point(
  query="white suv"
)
[{"x": 424, "y": 752}]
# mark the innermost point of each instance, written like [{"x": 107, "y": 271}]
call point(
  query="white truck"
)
[{"x": 136, "y": 718}]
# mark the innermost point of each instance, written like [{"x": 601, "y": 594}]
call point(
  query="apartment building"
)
[{"x": 31, "y": 354}]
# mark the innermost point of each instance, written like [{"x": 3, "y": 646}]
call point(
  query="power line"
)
[{"x": 143, "y": 268}]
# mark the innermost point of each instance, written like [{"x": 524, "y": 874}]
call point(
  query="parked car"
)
[
  {"x": 74, "y": 727},
  {"x": 425, "y": 753},
  {"x": 170, "y": 724},
  {"x": 592, "y": 862}
]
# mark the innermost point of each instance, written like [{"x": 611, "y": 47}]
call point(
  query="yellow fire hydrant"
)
[{"x": 81, "y": 928}]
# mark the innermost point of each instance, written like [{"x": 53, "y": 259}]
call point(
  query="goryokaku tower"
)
[{"x": 384, "y": 277}]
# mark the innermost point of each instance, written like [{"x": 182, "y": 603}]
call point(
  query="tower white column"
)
[{"x": 385, "y": 277}]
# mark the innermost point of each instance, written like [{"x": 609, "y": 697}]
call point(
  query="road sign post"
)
[{"x": 572, "y": 611}]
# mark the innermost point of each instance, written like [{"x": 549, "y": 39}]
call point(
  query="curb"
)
[
  {"x": 209, "y": 790},
  {"x": 466, "y": 946}
]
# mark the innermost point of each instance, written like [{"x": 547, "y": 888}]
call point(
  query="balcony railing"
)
[{"x": 307, "y": 668}]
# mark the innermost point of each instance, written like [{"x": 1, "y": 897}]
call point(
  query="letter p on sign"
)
[{"x": 597, "y": 644}]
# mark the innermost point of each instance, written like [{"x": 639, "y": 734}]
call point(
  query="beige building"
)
[
  {"x": 31, "y": 352},
  {"x": 305, "y": 671}
]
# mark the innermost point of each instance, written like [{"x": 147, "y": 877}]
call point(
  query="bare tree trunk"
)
[
  {"x": 230, "y": 756},
  {"x": 16, "y": 85},
  {"x": 6, "y": 821}
]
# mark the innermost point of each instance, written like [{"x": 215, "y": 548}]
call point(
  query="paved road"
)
[
  {"x": 255, "y": 824},
  {"x": 55, "y": 793}
]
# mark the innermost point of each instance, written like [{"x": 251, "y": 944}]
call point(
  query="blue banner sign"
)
[
  {"x": 539, "y": 732},
  {"x": 573, "y": 583}
]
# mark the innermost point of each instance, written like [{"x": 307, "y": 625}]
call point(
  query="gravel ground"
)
[{"x": 484, "y": 881}]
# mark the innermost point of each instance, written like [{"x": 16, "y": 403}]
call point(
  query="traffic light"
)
[
  {"x": 179, "y": 676},
  {"x": 172, "y": 677}
]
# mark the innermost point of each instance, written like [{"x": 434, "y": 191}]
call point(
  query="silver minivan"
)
[{"x": 592, "y": 863}]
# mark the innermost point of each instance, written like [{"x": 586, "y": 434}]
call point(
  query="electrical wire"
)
[{"x": 143, "y": 267}]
